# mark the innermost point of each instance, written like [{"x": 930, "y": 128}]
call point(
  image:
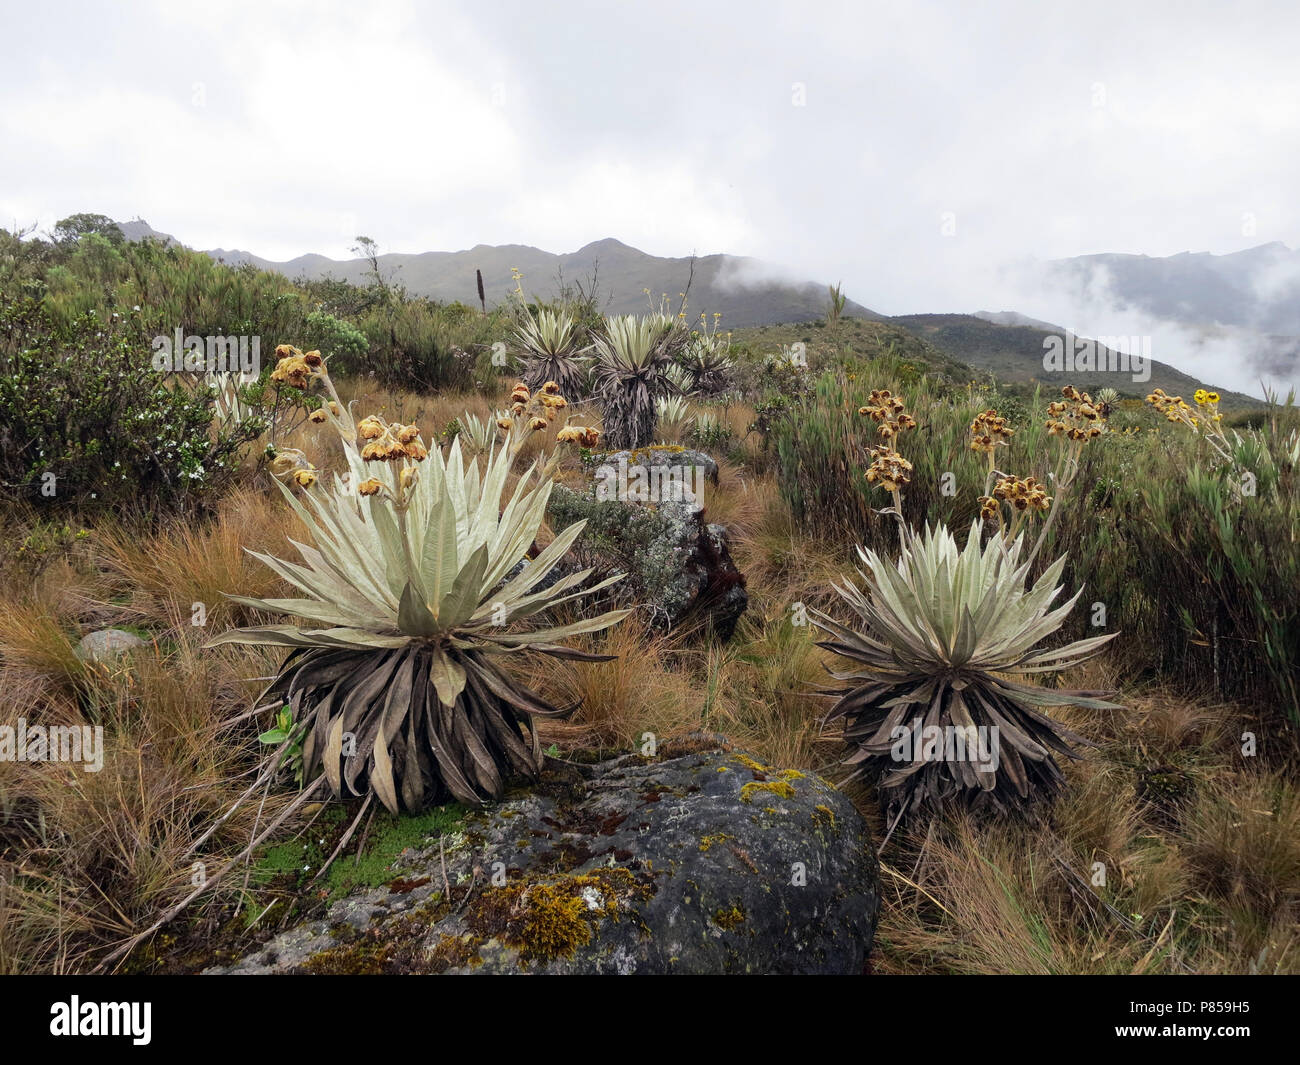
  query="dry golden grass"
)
[
  {"x": 643, "y": 690},
  {"x": 89, "y": 858},
  {"x": 160, "y": 577},
  {"x": 1201, "y": 878}
]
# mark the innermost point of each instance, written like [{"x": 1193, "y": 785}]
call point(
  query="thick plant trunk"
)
[{"x": 629, "y": 417}]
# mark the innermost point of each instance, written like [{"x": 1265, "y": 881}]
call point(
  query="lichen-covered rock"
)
[
  {"x": 679, "y": 568},
  {"x": 695, "y": 465},
  {"x": 698, "y": 862},
  {"x": 107, "y": 643}
]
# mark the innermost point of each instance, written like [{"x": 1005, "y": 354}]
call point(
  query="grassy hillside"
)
[{"x": 1015, "y": 354}]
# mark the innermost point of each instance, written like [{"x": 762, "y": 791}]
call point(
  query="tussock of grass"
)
[{"x": 1203, "y": 880}]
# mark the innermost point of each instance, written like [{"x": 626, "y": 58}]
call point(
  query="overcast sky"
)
[{"x": 910, "y": 149}]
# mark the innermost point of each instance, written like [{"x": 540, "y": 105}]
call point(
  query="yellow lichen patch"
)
[
  {"x": 365, "y": 959},
  {"x": 729, "y": 918},
  {"x": 780, "y": 788},
  {"x": 553, "y": 925},
  {"x": 708, "y": 842},
  {"x": 643, "y": 452},
  {"x": 552, "y": 918},
  {"x": 751, "y": 765},
  {"x": 823, "y": 815}
]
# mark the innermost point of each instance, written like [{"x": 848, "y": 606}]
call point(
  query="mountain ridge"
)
[
  {"x": 624, "y": 275},
  {"x": 1007, "y": 343}
]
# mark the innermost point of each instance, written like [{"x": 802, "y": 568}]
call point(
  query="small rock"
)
[{"x": 107, "y": 643}]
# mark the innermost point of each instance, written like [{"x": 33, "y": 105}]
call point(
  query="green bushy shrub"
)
[{"x": 85, "y": 419}]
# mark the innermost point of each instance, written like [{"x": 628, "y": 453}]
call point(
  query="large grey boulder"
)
[
  {"x": 646, "y": 514},
  {"x": 706, "y": 861},
  {"x": 612, "y": 466}
]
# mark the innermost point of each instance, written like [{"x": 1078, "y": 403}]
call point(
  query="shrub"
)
[
  {"x": 87, "y": 420},
  {"x": 338, "y": 340}
]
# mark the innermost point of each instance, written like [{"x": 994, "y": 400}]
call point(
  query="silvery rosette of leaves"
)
[
  {"x": 952, "y": 637},
  {"x": 412, "y": 591}
]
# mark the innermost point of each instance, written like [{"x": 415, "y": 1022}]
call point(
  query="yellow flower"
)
[
  {"x": 370, "y": 428},
  {"x": 316, "y": 416},
  {"x": 370, "y": 487},
  {"x": 304, "y": 478}
]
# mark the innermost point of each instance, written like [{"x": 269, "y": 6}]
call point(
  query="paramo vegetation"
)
[{"x": 1111, "y": 581}]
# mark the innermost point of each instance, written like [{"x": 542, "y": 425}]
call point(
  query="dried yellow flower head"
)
[
  {"x": 292, "y": 370},
  {"x": 1022, "y": 493},
  {"x": 989, "y": 431},
  {"x": 1077, "y": 418},
  {"x": 889, "y": 469},
  {"x": 889, "y": 412}
]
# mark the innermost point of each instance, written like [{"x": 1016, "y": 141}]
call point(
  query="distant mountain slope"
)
[
  {"x": 1244, "y": 306},
  {"x": 1256, "y": 289},
  {"x": 1016, "y": 318},
  {"x": 740, "y": 288},
  {"x": 1015, "y": 353}
]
